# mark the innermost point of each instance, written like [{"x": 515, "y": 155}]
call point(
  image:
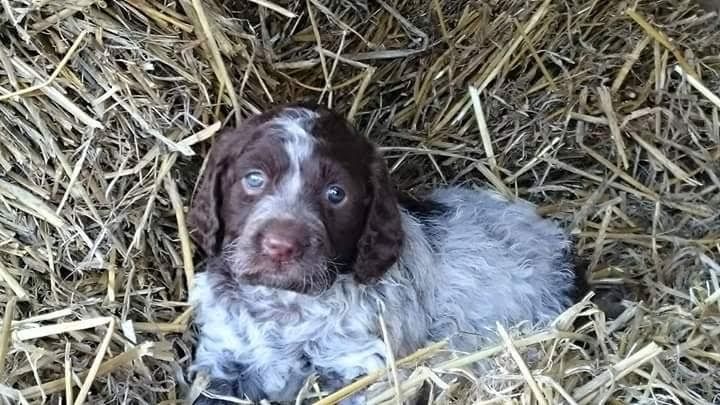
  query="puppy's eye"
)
[
  {"x": 335, "y": 194},
  {"x": 254, "y": 181}
]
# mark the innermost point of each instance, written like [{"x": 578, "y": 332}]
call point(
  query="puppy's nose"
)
[
  {"x": 280, "y": 247},
  {"x": 283, "y": 240}
]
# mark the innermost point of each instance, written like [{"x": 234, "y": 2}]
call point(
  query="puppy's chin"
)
[
  {"x": 314, "y": 284},
  {"x": 295, "y": 276}
]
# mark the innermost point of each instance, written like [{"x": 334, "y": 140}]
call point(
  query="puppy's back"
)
[{"x": 497, "y": 260}]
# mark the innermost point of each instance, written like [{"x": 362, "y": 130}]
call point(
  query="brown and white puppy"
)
[{"x": 307, "y": 243}]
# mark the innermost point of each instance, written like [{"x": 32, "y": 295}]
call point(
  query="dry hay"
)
[{"x": 581, "y": 106}]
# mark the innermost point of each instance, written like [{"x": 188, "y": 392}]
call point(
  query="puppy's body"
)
[{"x": 471, "y": 260}]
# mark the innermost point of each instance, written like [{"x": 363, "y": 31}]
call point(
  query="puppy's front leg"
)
[
  {"x": 227, "y": 378},
  {"x": 233, "y": 388},
  {"x": 332, "y": 382},
  {"x": 339, "y": 369}
]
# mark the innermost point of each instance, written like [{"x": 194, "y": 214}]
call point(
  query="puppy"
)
[{"x": 308, "y": 244}]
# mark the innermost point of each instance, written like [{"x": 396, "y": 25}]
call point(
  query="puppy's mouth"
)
[{"x": 311, "y": 273}]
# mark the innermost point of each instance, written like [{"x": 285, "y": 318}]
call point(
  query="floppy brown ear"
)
[
  {"x": 204, "y": 221},
  {"x": 204, "y": 216},
  {"x": 381, "y": 241}
]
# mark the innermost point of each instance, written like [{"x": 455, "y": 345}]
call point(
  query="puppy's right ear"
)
[
  {"x": 204, "y": 221},
  {"x": 204, "y": 217}
]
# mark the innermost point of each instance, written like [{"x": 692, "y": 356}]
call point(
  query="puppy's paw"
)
[{"x": 610, "y": 300}]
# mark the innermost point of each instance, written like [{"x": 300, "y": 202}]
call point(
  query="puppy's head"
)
[{"x": 295, "y": 196}]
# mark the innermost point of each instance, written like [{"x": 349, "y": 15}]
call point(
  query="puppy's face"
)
[{"x": 294, "y": 197}]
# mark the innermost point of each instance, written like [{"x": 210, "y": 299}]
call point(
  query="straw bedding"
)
[{"x": 605, "y": 114}]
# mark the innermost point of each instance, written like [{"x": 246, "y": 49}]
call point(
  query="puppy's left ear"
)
[{"x": 381, "y": 241}]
